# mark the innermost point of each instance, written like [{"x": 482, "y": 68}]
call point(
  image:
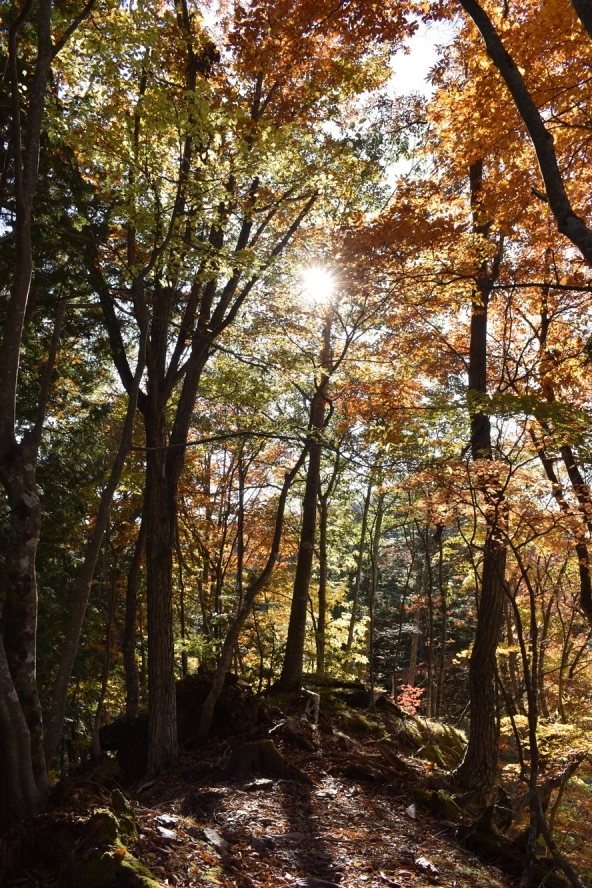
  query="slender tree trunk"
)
[
  {"x": 181, "y": 599},
  {"x": 413, "y": 656},
  {"x": 359, "y": 563},
  {"x": 400, "y": 630},
  {"x": 132, "y": 678},
  {"x": 517, "y": 703},
  {"x": 291, "y": 677},
  {"x": 321, "y": 630},
  {"x": 542, "y": 696},
  {"x": 23, "y": 795},
  {"x": 429, "y": 590},
  {"x": 20, "y": 606},
  {"x": 479, "y": 768},
  {"x": 106, "y": 659},
  {"x": 444, "y": 623},
  {"x": 249, "y": 597},
  {"x": 376, "y": 537},
  {"x": 57, "y": 714},
  {"x": 160, "y": 540},
  {"x": 21, "y": 722},
  {"x": 321, "y": 623}
]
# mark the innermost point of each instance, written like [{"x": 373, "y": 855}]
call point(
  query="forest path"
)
[{"x": 257, "y": 833}]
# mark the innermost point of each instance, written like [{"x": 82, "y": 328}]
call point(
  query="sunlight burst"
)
[{"x": 318, "y": 283}]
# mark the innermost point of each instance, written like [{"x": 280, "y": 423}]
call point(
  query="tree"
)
[
  {"x": 20, "y": 711},
  {"x": 195, "y": 244}
]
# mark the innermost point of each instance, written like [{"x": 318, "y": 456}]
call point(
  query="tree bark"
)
[
  {"x": 568, "y": 222},
  {"x": 249, "y": 597},
  {"x": 375, "y": 552},
  {"x": 359, "y": 564},
  {"x": 132, "y": 678},
  {"x": 57, "y": 714},
  {"x": 479, "y": 768},
  {"x": 321, "y": 628},
  {"x": 160, "y": 505},
  {"x": 291, "y": 676},
  {"x": 111, "y": 606},
  {"x": 21, "y": 720},
  {"x": 321, "y": 623}
]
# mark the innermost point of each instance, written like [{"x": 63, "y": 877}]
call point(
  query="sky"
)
[{"x": 411, "y": 70}]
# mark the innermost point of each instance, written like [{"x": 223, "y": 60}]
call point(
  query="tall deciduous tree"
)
[
  {"x": 21, "y": 722},
  {"x": 218, "y": 167}
]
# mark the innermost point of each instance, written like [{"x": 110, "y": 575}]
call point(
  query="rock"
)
[
  {"x": 168, "y": 834},
  {"x": 124, "y": 812},
  {"x": 357, "y": 698},
  {"x": 442, "y": 805},
  {"x": 426, "y": 865},
  {"x": 291, "y": 836},
  {"x": 263, "y": 756},
  {"x": 260, "y": 783},
  {"x": 316, "y": 883},
  {"x": 215, "y": 839},
  {"x": 236, "y": 711},
  {"x": 261, "y": 843},
  {"x": 166, "y": 820},
  {"x": 117, "y": 869}
]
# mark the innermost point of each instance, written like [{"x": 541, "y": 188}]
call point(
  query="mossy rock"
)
[
  {"x": 125, "y": 815},
  {"x": 117, "y": 869},
  {"x": 111, "y": 826},
  {"x": 440, "y": 804},
  {"x": 356, "y": 723},
  {"x": 433, "y": 741}
]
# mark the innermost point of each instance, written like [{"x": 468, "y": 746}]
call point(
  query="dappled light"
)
[{"x": 296, "y": 444}]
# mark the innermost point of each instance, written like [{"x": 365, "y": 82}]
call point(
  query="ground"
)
[{"x": 343, "y": 813}]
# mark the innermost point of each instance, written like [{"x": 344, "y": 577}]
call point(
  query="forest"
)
[{"x": 294, "y": 393}]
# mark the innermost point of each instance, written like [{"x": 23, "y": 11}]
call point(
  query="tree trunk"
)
[
  {"x": 57, "y": 714},
  {"x": 359, "y": 563},
  {"x": 180, "y": 566},
  {"x": 374, "y": 587},
  {"x": 321, "y": 623},
  {"x": 106, "y": 657},
  {"x": 21, "y": 726},
  {"x": 291, "y": 677},
  {"x": 160, "y": 506},
  {"x": 22, "y": 794},
  {"x": 19, "y": 616},
  {"x": 132, "y": 678},
  {"x": 479, "y": 768},
  {"x": 249, "y": 597},
  {"x": 444, "y": 619},
  {"x": 321, "y": 629}
]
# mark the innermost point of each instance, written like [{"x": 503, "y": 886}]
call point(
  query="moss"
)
[
  {"x": 110, "y": 826},
  {"x": 357, "y": 723},
  {"x": 212, "y": 875},
  {"x": 442, "y": 805},
  {"x": 125, "y": 815},
  {"x": 104, "y": 826},
  {"x": 117, "y": 868},
  {"x": 442, "y": 744}
]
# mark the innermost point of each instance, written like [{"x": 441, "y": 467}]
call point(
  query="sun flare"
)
[{"x": 318, "y": 283}]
